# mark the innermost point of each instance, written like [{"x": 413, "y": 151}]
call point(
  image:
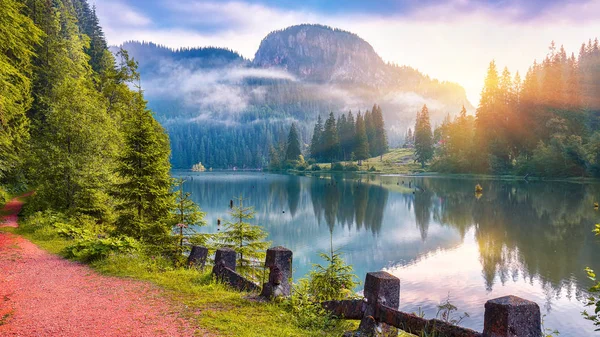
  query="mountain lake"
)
[{"x": 529, "y": 239}]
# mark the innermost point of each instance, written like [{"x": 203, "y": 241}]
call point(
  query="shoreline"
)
[{"x": 438, "y": 175}]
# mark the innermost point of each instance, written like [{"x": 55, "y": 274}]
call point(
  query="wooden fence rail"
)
[{"x": 508, "y": 316}]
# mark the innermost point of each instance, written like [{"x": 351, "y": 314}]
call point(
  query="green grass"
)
[
  {"x": 210, "y": 307},
  {"x": 396, "y": 161},
  {"x": 401, "y": 161}
]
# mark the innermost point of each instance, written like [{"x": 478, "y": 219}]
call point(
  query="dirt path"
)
[
  {"x": 44, "y": 295},
  {"x": 11, "y": 210}
]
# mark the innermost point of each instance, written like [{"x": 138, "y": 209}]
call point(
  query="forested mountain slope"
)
[
  {"x": 224, "y": 111},
  {"x": 74, "y": 126}
]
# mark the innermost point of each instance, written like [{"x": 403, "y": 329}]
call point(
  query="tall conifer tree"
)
[
  {"x": 361, "y": 150},
  {"x": 145, "y": 181},
  {"x": 331, "y": 144},
  {"x": 18, "y": 39},
  {"x": 423, "y": 137},
  {"x": 316, "y": 141},
  {"x": 370, "y": 128},
  {"x": 350, "y": 134},
  {"x": 293, "y": 144},
  {"x": 73, "y": 143},
  {"x": 380, "y": 140}
]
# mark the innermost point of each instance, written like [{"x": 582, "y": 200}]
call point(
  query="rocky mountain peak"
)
[{"x": 320, "y": 53}]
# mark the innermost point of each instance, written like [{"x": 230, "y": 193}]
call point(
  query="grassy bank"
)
[
  {"x": 211, "y": 307},
  {"x": 396, "y": 161},
  {"x": 402, "y": 161}
]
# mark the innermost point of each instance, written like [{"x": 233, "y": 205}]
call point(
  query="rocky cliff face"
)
[{"x": 321, "y": 54}]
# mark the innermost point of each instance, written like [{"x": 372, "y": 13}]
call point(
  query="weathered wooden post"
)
[
  {"x": 197, "y": 257},
  {"x": 512, "y": 316},
  {"x": 381, "y": 288},
  {"x": 279, "y": 262},
  {"x": 224, "y": 270},
  {"x": 224, "y": 257}
]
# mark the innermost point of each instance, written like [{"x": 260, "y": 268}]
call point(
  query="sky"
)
[{"x": 448, "y": 40}]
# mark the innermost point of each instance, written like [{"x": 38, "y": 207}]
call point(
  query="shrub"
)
[
  {"x": 337, "y": 167},
  {"x": 89, "y": 243},
  {"x": 351, "y": 167},
  {"x": 307, "y": 312},
  {"x": 198, "y": 167},
  {"x": 290, "y": 164},
  {"x": 92, "y": 248},
  {"x": 334, "y": 281},
  {"x": 372, "y": 169},
  {"x": 40, "y": 220},
  {"x": 302, "y": 166},
  {"x": 315, "y": 167},
  {"x": 4, "y": 196},
  {"x": 593, "y": 299},
  {"x": 70, "y": 232}
]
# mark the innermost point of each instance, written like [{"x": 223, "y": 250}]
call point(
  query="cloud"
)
[
  {"x": 453, "y": 41},
  {"x": 458, "y": 46},
  {"x": 233, "y": 15},
  {"x": 238, "y": 74},
  {"x": 209, "y": 91},
  {"x": 119, "y": 14}
]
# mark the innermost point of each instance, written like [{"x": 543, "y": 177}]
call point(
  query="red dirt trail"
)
[
  {"x": 44, "y": 295},
  {"x": 11, "y": 211}
]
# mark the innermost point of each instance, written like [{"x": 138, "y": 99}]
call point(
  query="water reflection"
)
[
  {"x": 349, "y": 203},
  {"x": 531, "y": 240}
]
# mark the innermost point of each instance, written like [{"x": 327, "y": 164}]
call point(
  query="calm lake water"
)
[{"x": 531, "y": 240}]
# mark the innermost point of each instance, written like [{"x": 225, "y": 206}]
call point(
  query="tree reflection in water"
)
[{"x": 535, "y": 234}]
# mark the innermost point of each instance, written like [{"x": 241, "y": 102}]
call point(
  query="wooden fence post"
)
[
  {"x": 512, "y": 316},
  {"x": 279, "y": 262},
  {"x": 381, "y": 288},
  {"x": 197, "y": 257},
  {"x": 225, "y": 257}
]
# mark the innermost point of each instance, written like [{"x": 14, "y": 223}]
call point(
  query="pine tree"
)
[
  {"x": 274, "y": 162},
  {"x": 89, "y": 25},
  {"x": 350, "y": 134},
  {"x": 188, "y": 218},
  {"x": 247, "y": 240},
  {"x": 380, "y": 140},
  {"x": 361, "y": 150},
  {"x": 370, "y": 128},
  {"x": 423, "y": 137},
  {"x": 409, "y": 138},
  {"x": 341, "y": 129},
  {"x": 316, "y": 142},
  {"x": 73, "y": 138},
  {"x": 330, "y": 141},
  {"x": 293, "y": 144},
  {"x": 143, "y": 169},
  {"x": 18, "y": 39},
  {"x": 489, "y": 118}
]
